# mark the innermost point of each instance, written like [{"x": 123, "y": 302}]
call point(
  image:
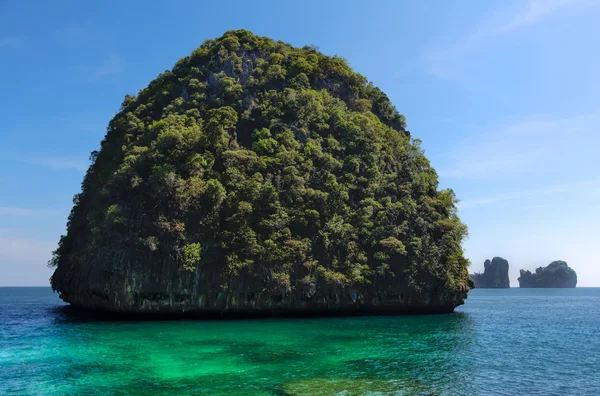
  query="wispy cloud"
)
[
  {"x": 89, "y": 127},
  {"x": 12, "y": 41},
  {"x": 4, "y": 210},
  {"x": 442, "y": 61},
  {"x": 85, "y": 35},
  {"x": 470, "y": 203},
  {"x": 113, "y": 65},
  {"x": 23, "y": 261},
  {"x": 81, "y": 121},
  {"x": 539, "y": 206},
  {"x": 18, "y": 249},
  {"x": 77, "y": 164},
  {"x": 578, "y": 186},
  {"x": 70, "y": 35},
  {"x": 17, "y": 211},
  {"x": 537, "y": 10},
  {"x": 527, "y": 146}
]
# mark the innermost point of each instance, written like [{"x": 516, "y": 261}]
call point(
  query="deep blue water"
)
[{"x": 504, "y": 342}]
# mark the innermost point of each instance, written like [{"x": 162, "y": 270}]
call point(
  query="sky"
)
[{"x": 504, "y": 94}]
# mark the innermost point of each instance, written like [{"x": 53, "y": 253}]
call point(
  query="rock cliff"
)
[
  {"x": 495, "y": 274},
  {"x": 557, "y": 274},
  {"x": 259, "y": 178}
]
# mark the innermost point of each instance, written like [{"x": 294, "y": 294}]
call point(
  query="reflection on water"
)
[{"x": 489, "y": 346}]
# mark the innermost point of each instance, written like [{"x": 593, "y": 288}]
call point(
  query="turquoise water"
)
[{"x": 506, "y": 341}]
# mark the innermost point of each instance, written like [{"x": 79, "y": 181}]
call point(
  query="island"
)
[
  {"x": 256, "y": 178},
  {"x": 556, "y": 275},
  {"x": 495, "y": 274}
]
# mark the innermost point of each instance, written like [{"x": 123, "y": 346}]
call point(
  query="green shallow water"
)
[{"x": 511, "y": 341}]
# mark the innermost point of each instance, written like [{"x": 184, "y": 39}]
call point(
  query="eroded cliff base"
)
[{"x": 235, "y": 307}]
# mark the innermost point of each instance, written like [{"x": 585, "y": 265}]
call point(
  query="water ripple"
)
[{"x": 502, "y": 342}]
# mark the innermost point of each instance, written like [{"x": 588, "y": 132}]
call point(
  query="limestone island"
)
[
  {"x": 556, "y": 275},
  {"x": 255, "y": 178},
  {"x": 495, "y": 274}
]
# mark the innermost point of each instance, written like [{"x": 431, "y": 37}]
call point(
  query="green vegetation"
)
[
  {"x": 191, "y": 256},
  {"x": 556, "y": 274},
  {"x": 265, "y": 167}
]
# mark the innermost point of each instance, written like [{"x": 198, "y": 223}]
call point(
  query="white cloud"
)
[
  {"x": 470, "y": 203},
  {"x": 23, "y": 262},
  {"x": 12, "y": 41},
  {"x": 578, "y": 186},
  {"x": 114, "y": 65},
  {"x": 83, "y": 35},
  {"x": 16, "y": 250},
  {"x": 60, "y": 163},
  {"x": 16, "y": 211},
  {"x": 538, "y": 10},
  {"x": 528, "y": 146},
  {"x": 90, "y": 127},
  {"x": 82, "y": 121},
  {"x": 69, "y": 34},
  {"x": 443, "y": 61}
]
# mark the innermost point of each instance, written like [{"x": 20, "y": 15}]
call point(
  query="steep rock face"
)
[
  {"x": 557, "y": 274},
  {"x": 256, "y": 177},
  {"x": 495, "y": 274}
]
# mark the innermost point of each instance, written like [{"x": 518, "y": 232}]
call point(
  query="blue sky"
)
[{"x": 505, "y": 96}]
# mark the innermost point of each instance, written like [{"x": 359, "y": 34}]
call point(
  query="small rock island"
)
[
  {"x": 556, "y": 275},
  {"x": 259, "y": 178},
  {"x": 495, "y": 274}
]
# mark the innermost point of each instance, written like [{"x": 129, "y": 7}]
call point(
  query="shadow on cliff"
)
[{"x": 72, "y": 314}]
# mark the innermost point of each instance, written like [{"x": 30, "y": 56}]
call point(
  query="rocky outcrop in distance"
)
[
  {"x": 556, "y": 275},
  {"x": 495, "y": 274}
]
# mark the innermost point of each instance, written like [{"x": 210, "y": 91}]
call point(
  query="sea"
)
[{"x": 500, "y": 342}]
